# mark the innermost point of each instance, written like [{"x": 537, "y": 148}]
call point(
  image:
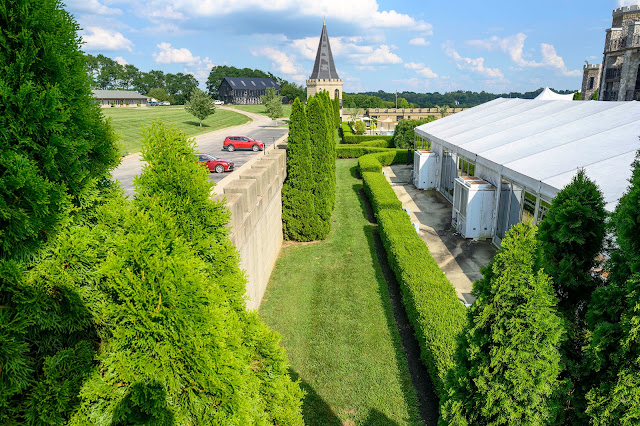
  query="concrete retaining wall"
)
[{"x": 253, "y": 194}]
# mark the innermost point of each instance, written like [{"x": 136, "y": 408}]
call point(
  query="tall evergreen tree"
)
[
  {"x": 613, "y": 319},
  {"x": 336, "y": 111},
  {"x": 178, "y": 346},
  {"x": 572, "y": 235},
  {"x": 321, "y": 185},
  {"x": 298, "y": 206},
  {"x": 54, "y": 148},
  {"x": 508, "y": 360}
]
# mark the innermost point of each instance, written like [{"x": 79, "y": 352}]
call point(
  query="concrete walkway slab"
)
[{"x": 460, "y": 259}]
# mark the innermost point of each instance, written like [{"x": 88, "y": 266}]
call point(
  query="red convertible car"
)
[
  {"x": 231, "y": 143},
  {"x": 214, "y": 164}
]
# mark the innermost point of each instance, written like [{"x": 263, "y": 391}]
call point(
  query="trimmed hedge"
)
[
  {"x": 432, "y": 305},
  {"x": 355, "y": 151},
  {"x": 354, "y": 139},
  {"x": 383, "y": 157},
  {"x": 379, "y": 143},
  {"x": 433, "y": 308},
  {"x": 380, "y": 192}
]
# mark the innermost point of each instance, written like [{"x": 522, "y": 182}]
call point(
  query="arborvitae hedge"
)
[
  {"x": 336, "y": 111},
  {"x": 373, "y": 162},
  {"x": 299, "y": 216},
  {"x": 508, "y": 360},
  {"x": 354, "y": 139},
  {"x": 320, "y": 157},
  {"x": 571, "y": 237},
  {"x": 178, "y": 347},
  {"x": 53, "y": 142}
]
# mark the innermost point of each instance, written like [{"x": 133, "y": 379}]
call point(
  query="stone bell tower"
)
[{"x": 324, "y": 75}]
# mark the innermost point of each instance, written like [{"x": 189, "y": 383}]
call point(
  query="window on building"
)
[{"x": 591, "y": 81}]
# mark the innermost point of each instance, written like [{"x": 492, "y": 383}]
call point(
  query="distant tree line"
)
[
  {"x": 218, "y": 73},
  {"x": 107, "y": 74},
  {"x": 465, "y": 99}
]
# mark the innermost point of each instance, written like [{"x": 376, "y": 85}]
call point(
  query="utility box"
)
[
  {"x": 473, "y": 201},
  {"x": 425, "y": 166}
]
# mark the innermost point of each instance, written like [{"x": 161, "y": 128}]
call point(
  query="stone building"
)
[
  {"x": 245, "y": 91},
  {"x": 324, "y": 75},
  {"x": 618, "y": 75},
  {"x": 590, "y": 79}
]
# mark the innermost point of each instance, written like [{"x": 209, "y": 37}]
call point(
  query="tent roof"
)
[
  {"x": 549, "y": 95},
  {"x": 541, "y": 144}
]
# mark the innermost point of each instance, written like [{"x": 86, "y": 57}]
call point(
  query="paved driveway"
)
[{"x": 211, "y": 143}]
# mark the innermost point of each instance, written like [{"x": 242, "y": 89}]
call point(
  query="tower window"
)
[{"x": 591, "y": 80}]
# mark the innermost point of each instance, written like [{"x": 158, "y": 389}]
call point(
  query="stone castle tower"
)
[
  {"x": 324, "y": 75},
  {"x": 618, "y": 78}
]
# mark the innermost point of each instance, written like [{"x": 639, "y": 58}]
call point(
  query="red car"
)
[
  {"x": 214, "y": 164},
  {"x": 238, "y": 142}
]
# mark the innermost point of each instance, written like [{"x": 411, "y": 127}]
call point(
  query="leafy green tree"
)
[
  {"x": 293, "y": 91},
  {"x": 160, "y": 94},
  {"x": 200, "y": 105},
  {"x": 508, "y": 359},
  {"x": 577, "y": 96},
  {"x": 359, "y": 128},
  {"x": 594, "y": 97},
  {"x": 404, "y": 134},
  {"x": 179, "y": 86},
  {"x": 218, "y": 73},
  {"x": 272, "y": 102},
  {"x": 442, "y": 110},
  {"x": 403, "y": 103},
  {"x": 298, "y": 207}
]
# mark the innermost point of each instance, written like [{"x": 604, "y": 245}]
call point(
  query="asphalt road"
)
[{"x": 211, "y": 143}]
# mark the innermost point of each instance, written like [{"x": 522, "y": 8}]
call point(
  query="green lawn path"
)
[
  {"x": 329, "y": 301},
  {"x": 129, "y": 121},
  {"x": 260, "y": 109}
]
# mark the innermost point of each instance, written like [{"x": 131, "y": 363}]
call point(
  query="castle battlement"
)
[
  {"x": 625, "y": 9},
  {"x": 592, "y": 66}
]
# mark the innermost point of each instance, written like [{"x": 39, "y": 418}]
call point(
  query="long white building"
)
[{"x": 530, "y": 149}]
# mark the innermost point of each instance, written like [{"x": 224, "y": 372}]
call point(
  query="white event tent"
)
[
  {"x": 534, "y": 147},
  {"x": 549, "y": 95}
]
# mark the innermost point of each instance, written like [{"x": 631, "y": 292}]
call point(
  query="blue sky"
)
[{"x": 421, "y": 46}]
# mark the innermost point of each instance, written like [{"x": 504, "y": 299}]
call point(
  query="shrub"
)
[
  {"x": 380, "y": 192},
  {"x": 434, "y": 310},
  {"x": 404, "y": 134},
  {"x": 359, "y": 128},
  {"x": 355, "y": 151},
  {"x": 374, "y": 162},
  {"x": 378, "y": 143},
  {"x": 353, "y": 139}
]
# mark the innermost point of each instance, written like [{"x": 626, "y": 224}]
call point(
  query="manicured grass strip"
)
[
  {"x": 128, "y": 122},
  {"x": 260, "y": 109},
  {"x": 330, "y": 302},
  {"x": 433, "y": 308}
]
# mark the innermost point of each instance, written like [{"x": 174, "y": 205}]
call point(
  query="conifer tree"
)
[
  {"x": 336, "y": 111},
  {"x": 298, "y": 207},
  {"x": 317, "y": 118},
  {"x": 53, "y": 141},
  {"x": 178, "y": 346},
  {"x": 613, "y": 319},
  {"x": 508, "y": 358},
  {"x": 571, "y": 236}
]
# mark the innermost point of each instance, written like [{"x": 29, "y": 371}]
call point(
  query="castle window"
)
[{"x": 591, "y": 81}]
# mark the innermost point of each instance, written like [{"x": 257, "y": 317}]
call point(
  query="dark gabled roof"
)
[
  {"x": 250, "y": 83},
  {"x": 324, "y": 67},
  {"x": 118, "y": 94}
]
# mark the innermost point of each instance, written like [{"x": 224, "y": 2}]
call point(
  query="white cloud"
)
[
  {"x": 363, "y": 13},
  {"x": 627, "y": 2},
  {"x": 96, "y": 38},
  {"x": 92, "y": 7},
  {"x": 170, "y": 55},
  {"x": 282, "y": 62},
  {"x": 381, "y": 56},
  {"x": 121, "y": 60},
  {"x": 418, "y": 41},
  {"x": 514, "y": 47},
  {"x": 421, "y": 69},
  {"x": 551, "y": 59},
  {"x": 340, "y": 46},
  {"x": 475, "y": 65}
]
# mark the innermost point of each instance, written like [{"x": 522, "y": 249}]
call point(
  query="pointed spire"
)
[{"x": 324, "y": 67}]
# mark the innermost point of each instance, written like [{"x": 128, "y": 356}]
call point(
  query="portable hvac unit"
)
[
  {"x": 473, "y": 200},
  {"x": 425, "y": 166}
]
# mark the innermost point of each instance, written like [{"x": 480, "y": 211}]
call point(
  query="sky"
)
[{"x": 419, "y": 45}]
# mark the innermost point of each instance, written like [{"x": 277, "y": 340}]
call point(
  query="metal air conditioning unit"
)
[
  {"x": 425, "y": 169},
  {"x": 473, "y": 201}
]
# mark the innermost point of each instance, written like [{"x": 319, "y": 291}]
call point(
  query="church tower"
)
[{"x": 324, "y": 75}]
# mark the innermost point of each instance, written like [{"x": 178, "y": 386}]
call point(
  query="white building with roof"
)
[
  {"x": 531, "y": 149},
  {"x": 124, "y": 98}
]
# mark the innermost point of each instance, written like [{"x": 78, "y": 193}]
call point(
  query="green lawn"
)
[
  {"x": 329, "y": 301},
  {"x": 259, "y": 109},
  {"x": 128, "y": 122}
]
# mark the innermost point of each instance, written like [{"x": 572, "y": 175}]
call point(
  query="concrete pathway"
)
[
  {"x": 460, "y": 259},
  {"x": 260, "y": 128}
]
